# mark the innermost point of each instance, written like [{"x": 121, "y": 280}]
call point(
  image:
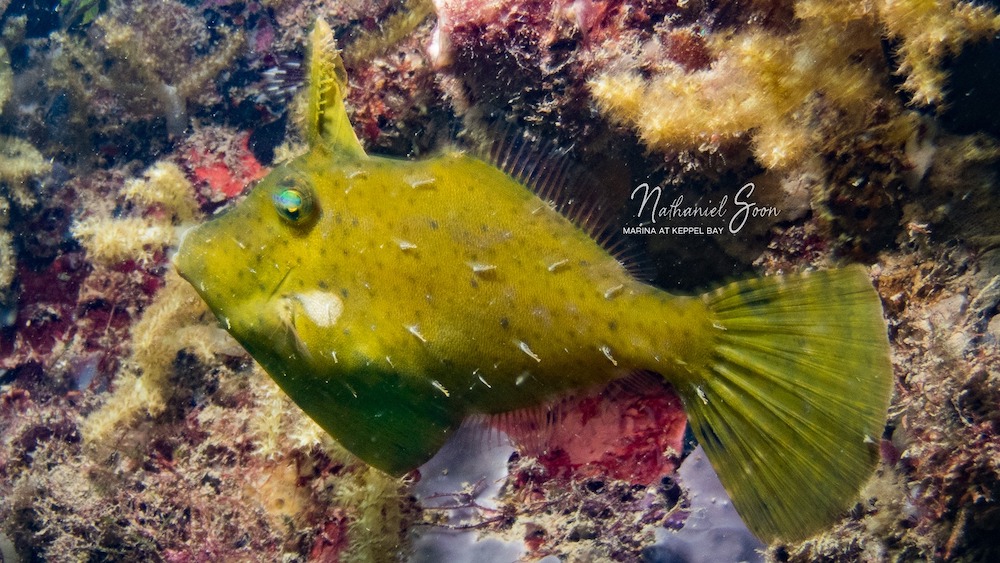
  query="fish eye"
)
[{"x": 294, "y": 204}]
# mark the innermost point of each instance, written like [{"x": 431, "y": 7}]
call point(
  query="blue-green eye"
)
[{"x": 294, "y": 205}]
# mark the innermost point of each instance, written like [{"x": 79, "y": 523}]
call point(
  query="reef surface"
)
[{"x": 133, "y": 428}]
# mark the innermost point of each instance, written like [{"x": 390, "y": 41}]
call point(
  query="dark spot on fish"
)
[
  {"x": 504, "y": 323},
  {"x": 322, "y": 284},
  {"x": 474, "y": 283},
  {"x": 344, "y": 292},
  {"x": 434, "y": 225},
  {"x": 612, "y": 326}
]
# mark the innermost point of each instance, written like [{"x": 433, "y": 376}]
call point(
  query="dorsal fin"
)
[
  {"x": 558, "y": 179},
  {"x": 327, "y": 123}
]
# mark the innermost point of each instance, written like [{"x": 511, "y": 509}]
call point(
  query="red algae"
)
[
  {"x": 180, "y": 483},
  {"x": 625, "y": 435},
  {"x": 226, "y": 173}
]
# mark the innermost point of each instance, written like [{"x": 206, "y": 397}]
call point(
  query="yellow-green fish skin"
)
[
  {"x": 391, "y": 299},
  {"x": 445, "y": 272}
]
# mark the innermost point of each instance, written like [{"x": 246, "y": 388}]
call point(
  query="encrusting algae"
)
[
  {"x": 394, "y": 299},
  {"x": 774, "y": 86}
]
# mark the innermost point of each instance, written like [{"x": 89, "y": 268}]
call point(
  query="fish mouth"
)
[
  {"x": 181, "y": 257},
  {"x": 175, "y": 253}
]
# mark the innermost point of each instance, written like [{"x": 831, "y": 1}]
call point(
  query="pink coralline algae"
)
[
  {"x": 227, "y": 173},
  {"x": 622, "y": 434}
]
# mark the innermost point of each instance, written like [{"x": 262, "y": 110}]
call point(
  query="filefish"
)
[{"x": 392, "y": 299}]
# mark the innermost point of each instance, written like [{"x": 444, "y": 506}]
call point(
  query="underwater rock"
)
[
  {"x": 713, "y": 531},
  {"x": 214, "y": 462}
]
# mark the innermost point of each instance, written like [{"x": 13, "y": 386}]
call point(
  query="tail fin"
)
[{"x": 794, "y": 399}]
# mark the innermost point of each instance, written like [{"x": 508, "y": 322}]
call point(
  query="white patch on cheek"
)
[{"x": 322, "y": 308}]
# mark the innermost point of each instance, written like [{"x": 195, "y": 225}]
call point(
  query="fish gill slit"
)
[{"x": 280, "y": 282}]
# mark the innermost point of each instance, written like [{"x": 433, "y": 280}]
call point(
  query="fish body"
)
[
  {"x": 391, "y": 299},
  {"x": 474, "y": 294}
]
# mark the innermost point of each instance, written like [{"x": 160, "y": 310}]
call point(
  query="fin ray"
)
[
  {"x": 327, "y": 123},
  {"x": 792, "y": 402},
  {"x": 551, "y": 173}
]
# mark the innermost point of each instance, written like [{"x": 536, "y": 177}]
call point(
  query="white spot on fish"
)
[
  {"x": 480, "y": 268},
  {"x": 421, "y": 183},
  {"x": 321, "y": 307},
  {"x": 437, "y": 385},
  {"x": 557, "y": 265},
  {"x": 522, "y": 378},
  {"x": 357, "y": 174},
  {"x": 701, "y": 393},
  {"x": 229, "y": 325},
  {"x": 718, "y": 326},
  {"x": 524, "y": 348},
  {"x": 606, "y": 350},
  {"x": 488, "y": 386},
  {"x": 613, "y": 291},
  {"x": 415, "y": 331},
  {"x": 405, "y": 245},
  {"x": 388, "y": 359}
]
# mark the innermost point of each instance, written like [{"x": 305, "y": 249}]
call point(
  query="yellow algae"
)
[
  {"x": 772, "y": 86},
  {"x": 177, "y": 320},
  {"x": 114, "y": 240},
  {"x": 164, "y": 184}
]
